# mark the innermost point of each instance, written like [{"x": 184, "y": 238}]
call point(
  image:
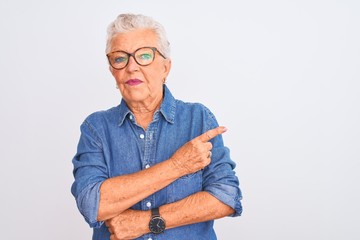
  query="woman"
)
[{"x": 153, "y": 167}]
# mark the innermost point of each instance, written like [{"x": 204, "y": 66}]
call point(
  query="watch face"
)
[{"x": 157, "y": 225}]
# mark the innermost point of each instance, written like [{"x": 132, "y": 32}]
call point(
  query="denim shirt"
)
[{"x": 112, "y": 144}]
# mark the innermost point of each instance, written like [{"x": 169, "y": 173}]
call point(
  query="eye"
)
[
  {"x": 146, "y": 56},
  {"x": 119, "y": 59}
]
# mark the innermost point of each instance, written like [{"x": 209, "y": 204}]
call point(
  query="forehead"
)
[{"x": 132, "y": 40}]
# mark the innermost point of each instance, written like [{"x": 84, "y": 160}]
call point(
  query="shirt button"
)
[
  {"x": 148, "y": 204},
  {"x": 131, "y": 117},
  {"x": 147, "y": 166},
  {"x": 149, "y": 238},
  {"x": 142, "y": 136}
]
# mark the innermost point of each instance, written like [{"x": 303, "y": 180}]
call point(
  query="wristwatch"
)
[{"x": 157, "y": 223}]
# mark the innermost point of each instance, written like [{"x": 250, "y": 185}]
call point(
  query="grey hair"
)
[{"x": 128, "y": 22}]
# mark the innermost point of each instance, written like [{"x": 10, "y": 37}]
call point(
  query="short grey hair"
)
[{"x": 128, "y": 22}]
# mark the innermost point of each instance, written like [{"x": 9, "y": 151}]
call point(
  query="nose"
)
[{"x": 132, "y": 65}]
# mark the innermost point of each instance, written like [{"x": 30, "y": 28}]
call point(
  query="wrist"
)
[
  {"x": 157, "y": 224},
  {"x": 177, "y": 168}
]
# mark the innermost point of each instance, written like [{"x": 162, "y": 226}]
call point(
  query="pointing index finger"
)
[{"x": 210, "y": 134}]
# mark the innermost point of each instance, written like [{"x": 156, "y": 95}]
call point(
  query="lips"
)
[{"x": 133, "y": 82}]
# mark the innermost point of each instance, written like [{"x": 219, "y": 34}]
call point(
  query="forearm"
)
[
  {"x": 120, "y": 193},
  {"x": 199, "y": 207}
]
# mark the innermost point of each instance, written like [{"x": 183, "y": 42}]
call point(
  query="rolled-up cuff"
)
[
  {"x": 229, "y": 195},
  {"x": 88, "y": 204}
]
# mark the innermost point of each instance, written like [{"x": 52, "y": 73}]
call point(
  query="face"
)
[{"x": 139, "y": 84}]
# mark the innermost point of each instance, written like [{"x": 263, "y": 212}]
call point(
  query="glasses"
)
[{"x": 143, "y": 56}]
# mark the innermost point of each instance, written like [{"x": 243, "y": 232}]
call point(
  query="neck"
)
[{"x": 144, "y": 112}]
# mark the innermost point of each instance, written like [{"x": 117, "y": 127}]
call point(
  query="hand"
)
[
  {"x": 196, "y": 154},
  {"x": 129, "y": 224}
]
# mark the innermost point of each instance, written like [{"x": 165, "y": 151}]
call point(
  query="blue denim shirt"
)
[{"x": 112, "y": 144}]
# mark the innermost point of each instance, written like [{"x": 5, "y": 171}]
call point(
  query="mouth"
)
[{"x": 133, "y": 82}]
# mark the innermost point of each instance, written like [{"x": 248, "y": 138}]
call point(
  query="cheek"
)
[
  {"x": 153, "y": 77},
  {"x": 118, "y": 76},
  {"x": 158, "y": 73}
]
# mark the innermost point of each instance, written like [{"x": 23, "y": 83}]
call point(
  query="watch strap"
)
[{"x": 155, "y": 212}]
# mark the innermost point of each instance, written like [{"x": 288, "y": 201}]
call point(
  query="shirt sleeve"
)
[
  {"x": 219, "y": 178},
  {"x": 90, "y": 170}
]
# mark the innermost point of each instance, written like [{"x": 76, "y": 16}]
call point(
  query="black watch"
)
[{"x": 157, "y": 223}]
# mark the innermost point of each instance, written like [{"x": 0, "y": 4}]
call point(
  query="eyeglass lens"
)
[{"x": 143, "y": 56}]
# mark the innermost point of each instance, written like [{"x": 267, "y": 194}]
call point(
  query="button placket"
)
[{"x": 147, "y": 138}]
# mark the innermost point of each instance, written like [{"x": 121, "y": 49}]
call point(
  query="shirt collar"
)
[{"x": 167, "y": 107}]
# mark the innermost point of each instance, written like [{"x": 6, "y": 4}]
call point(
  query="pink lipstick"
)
[{"x": 133, "y": 82}]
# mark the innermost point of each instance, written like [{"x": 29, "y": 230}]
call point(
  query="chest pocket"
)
[{"x": 185, "y": 186}]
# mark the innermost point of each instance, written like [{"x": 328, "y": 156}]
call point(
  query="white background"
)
[{"x": 283, "y": 76}]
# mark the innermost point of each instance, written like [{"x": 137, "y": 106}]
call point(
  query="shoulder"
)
[
  {"x": 103, "y": 116},
  {"x": 99, "y": 123},
  {"x": 193, "y": 107},
  {"x": 195, "y": 112}
]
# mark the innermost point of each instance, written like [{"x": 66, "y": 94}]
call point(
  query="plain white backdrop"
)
[{"x": 283, "y": 76}]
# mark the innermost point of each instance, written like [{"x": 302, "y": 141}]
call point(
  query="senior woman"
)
[{"x": 153, "y": 167}]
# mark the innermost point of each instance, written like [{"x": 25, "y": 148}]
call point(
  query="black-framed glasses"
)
[{"x": 143, "y": 56}]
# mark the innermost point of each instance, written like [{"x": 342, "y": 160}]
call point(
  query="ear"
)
[{"x": 167, "y": 67}]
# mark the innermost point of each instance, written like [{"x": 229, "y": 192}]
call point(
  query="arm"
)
[
  {"x": 199, "y": 207},
  {"x": 219, "y": 198},
  {"x": 132, "y": 188}
]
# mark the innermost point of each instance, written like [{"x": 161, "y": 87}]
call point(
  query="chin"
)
[{"x": 135, "y": 97}]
